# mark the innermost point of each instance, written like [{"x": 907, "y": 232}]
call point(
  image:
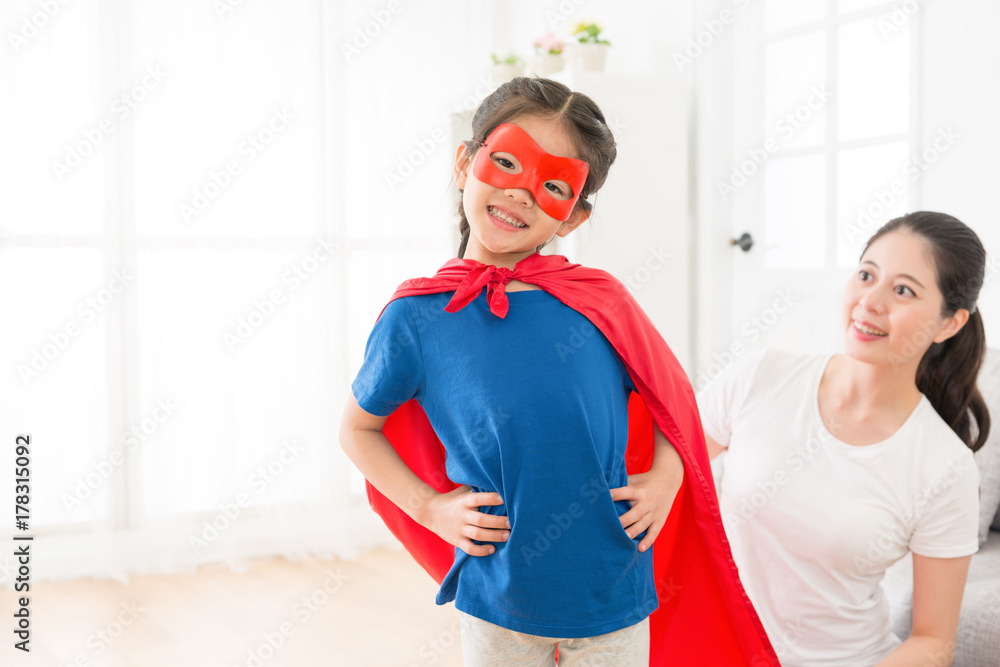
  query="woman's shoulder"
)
[
  {"x": 932, "y": 434},
  {"x": 939, "y": 461}
]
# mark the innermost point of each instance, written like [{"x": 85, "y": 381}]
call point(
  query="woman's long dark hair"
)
[
  {"x": 948, "y": 370},
  {"x": 547, "y": 99}
]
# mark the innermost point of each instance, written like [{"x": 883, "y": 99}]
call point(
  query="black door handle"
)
[{"x": 745, "y": 242}]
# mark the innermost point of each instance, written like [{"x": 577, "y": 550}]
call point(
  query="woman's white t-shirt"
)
[{"x": 814, "y": 522}]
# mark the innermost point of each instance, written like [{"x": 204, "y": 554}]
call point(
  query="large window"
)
[
  {"x": 205, "y": 206},
  {"x": 826, "y": 103}
]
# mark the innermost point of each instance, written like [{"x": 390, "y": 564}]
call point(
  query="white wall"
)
[{"x": 962, "y": 91}]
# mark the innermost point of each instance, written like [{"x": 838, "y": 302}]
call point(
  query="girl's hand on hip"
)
[
  {"x": 652, "y": 493},
  {"x": 455, "y": 518}
]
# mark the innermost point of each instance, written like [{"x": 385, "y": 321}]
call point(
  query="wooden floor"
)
[{"x": 378, "y": 610}]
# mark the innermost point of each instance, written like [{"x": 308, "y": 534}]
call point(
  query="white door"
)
[{"x": 820, "y": 151}]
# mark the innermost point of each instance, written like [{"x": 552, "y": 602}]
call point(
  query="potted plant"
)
[
  {"x": 549, "y": 56},
  {"x": 505, "y": 69},
  {"x": 591, "y": 50}
]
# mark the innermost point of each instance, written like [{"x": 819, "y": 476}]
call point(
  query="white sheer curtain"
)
[{"x": 205, "y": 206}]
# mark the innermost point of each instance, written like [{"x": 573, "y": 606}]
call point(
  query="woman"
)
[{"x": 838, "y": 465}]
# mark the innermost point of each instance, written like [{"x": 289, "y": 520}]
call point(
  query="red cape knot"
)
[{"x": 494, "y": 278}]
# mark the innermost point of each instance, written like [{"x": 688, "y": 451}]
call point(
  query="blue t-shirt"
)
[{"x": 533, "y": 406}]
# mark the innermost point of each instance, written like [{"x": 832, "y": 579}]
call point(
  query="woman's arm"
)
[
  {"x": 652, "y": 493},
  {"x": 938, "y": 585},
  {"x": 453, "y": 516},
  {"x": 714, "y": 448}
]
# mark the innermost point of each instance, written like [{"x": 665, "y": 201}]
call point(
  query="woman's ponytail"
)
[{"x": 947, "y": 376}]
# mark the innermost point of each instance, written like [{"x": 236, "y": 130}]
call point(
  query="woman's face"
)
[{"x": 892, "y": 303}]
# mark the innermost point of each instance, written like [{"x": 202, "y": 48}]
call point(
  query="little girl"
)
[{"x": 513, "y": 437}]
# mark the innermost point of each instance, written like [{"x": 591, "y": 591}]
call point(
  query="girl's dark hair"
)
[
  {"x": 545, "y": 98},
  {"x": 948, "y": 370}
]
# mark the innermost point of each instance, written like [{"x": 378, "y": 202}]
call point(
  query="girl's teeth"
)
[{"x": 498, "y": 214}]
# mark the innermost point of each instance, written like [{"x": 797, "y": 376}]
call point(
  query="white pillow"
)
[{"x": 988, "y": 456}]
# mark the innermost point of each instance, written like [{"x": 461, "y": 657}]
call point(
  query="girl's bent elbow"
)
[{"x": 354, "y": 420}]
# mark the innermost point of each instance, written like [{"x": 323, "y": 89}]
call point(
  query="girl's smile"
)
[{"x": 505, "y": 218}]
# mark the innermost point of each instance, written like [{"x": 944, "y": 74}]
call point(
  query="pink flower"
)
[{"x": 549, "y": 43}]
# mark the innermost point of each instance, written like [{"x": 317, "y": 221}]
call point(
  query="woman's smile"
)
[{"x": 865, "y": 331}]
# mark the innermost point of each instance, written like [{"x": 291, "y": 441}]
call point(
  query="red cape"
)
[{"x": 704, "y": 615}]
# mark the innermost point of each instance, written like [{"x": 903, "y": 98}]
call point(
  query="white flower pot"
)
[
  {"x": 591, "y": 56},
  {"x": 504, "y": 72},
  {"x": 547, "y": 63}
]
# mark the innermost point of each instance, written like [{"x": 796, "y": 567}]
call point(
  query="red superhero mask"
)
[{"x": 565, "y": 176}]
